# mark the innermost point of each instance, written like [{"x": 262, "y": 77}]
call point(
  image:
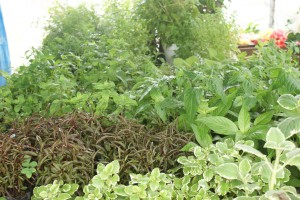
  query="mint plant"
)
[
  {"x": 28, "y": 166},
  {"x": 225, "y": 170},
  {"x": 272, "y": 169},
  {"x": 55, "y": 191}
]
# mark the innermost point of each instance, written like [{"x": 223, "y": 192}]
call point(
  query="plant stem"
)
[{"x": 274, "y": 170}]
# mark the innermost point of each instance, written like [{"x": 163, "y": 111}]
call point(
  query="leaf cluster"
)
[
  {"x": 220, "y": 171},
  {"x": 76, "y": 142}
]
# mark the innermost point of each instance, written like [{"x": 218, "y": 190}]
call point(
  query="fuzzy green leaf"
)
[
  {"x": 228, "y": 170},
  {"x": 288, "y": 101},
  {"x": 290, "y": 126},
  {"x": 249, "y": 149},
  {"x": 274, "y": 138},
  {"x": 244, "y": 166}
]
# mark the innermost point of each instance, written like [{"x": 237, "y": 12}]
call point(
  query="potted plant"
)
[{"x": 178, "y": 24}]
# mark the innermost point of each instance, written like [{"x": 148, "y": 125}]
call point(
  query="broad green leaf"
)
[
  {"x": 258, "y": 132},
  {"x": 179, "y": 62},
  {"x": 156, "y": 95},
  {"x": 274, "y": 138},
  {"x": 290, "y": 126},
  {"x": 192, "y": 60},
  {"x": 208, "y": 175},
  {"x": 293, "y": 157},
  {"x": 249, "y": 149},
  {"x": 202, "y": 134},
  {"x": 220, "y": 125},
  {"x": 191, "y": 102},
  {"x": 264, "y": 118},
  {"x": 160, "y": 112},
  {"x": 244, "y": 166},
  {"x": 55, "y": 106},
  {"x": 286, "y": 146},
  {"x": 228, "y": 170},
  {"x": 224, "y": 106},
  {"x": 33, "y": 164},
  {"x": 188, "y": 147},
  {"x": 288, "y": 101},
  {"x": 63, "y": 196},
  {"x": 245, "y": 198},
  {"x": 244, "y": 122},
  {"x": 183, "y": 160}
]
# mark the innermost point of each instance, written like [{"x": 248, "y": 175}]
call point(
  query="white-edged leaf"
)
[
  {"x": 228, "y": 170},
  {"x": 244, "y": 167},
  {"x": 220, "y": 125},
  {"x": 293, "y": 157},
  {"x": 288, "y": 101},
  {"x": 275, "y": 135},
  {"x": 290, "y": 126},
  {"x": 249, "y": 149}
]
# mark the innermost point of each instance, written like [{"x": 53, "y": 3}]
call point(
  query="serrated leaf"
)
[
  {"x": 244, "y": 122},
  {"x": 228, "y": 170},
  {"x": 220, "y": 125},
  {"x": 288, "y": 101}
]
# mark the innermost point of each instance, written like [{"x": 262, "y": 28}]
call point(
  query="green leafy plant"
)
[
  {"x": 219, "y": 171},
  {"x": 181, "y": 23},
  {"x": 55, "y": 191},
  {"x": 28, "y": 166}
]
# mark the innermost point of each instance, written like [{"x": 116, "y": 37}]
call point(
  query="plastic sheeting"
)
[{"x": 4, "y": 52}]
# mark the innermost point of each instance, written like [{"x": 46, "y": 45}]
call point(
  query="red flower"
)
[{"x": 279, "y": 37}]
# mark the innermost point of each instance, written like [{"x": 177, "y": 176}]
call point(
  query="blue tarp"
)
[{"x": 4, "y": 52}]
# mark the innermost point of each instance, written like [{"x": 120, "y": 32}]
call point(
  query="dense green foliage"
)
[
  {"x": 76, "y": 143},
  {"x": 132, "y": 106},
  {"x": 220, "y": 171}
]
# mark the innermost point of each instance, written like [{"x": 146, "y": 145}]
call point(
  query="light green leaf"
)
[
  {"x": 188, "y": 147},
  {"x": 244, "y": 120},
  {"x": 264, "y": 118},
  {"x": 244, "y": 166},
  {"x": 220, "y": 125},
  {"x": 249, "y": 149},
  {"x": 288, "y": 101},
  {"x": 202, "y": 134},
  {"x": 228, "y": 170},
  {"x": 208, "y": 175},
  {"x": 63, "y": 196},
  {"x": 286, "y": 146},
  {"x": 274, "y": 138},
  {"x": 293, "y": 157},
  {"x": 245, "y": 198},
  {"x": 290, "y": 126},
  {"x": 183, "y": 160},
  {"x": 191, "y": 102}
]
